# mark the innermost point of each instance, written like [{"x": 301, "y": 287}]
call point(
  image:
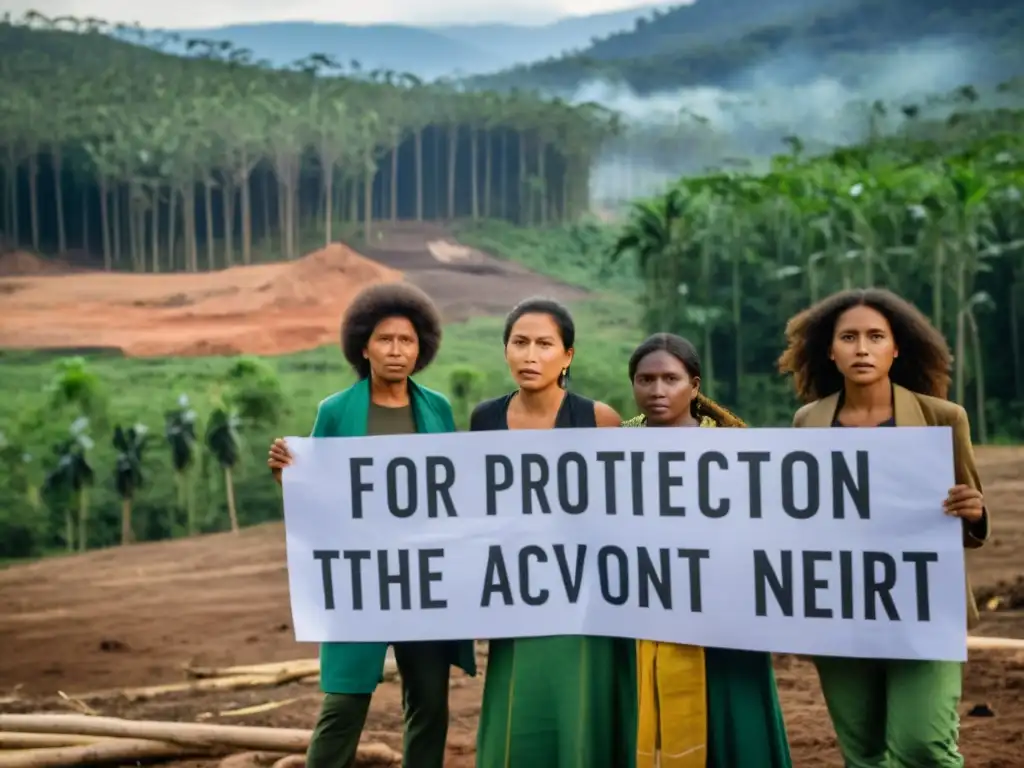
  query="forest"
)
[
  {"x": 703, "y": 44},
  {"x": 934, "y": 212},
  {"x": 161, "y": 162}
]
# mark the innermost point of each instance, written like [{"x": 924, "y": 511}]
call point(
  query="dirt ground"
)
[
  {"x": 132, "y": 617},
  {"x": 267, "y": 309}
]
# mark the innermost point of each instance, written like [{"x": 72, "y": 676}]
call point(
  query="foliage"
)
[
  {"x": 165, "y": 163},
  {"x": 711, "y": 42},
  {"x": 148, "y": 392},
  {"x": 935, "y": 215}
]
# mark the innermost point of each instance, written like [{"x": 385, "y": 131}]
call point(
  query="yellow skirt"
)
[{"x": 672, "y": 696}]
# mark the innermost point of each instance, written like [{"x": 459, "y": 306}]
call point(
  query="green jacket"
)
[{"x": 359, "y": 667}]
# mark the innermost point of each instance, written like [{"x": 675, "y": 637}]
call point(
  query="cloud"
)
[{"x": 691, "y": 129}]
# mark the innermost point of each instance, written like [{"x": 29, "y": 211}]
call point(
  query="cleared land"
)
[
  {"x": 266, "y": 310},
  {"x": 134, "y": 616}
]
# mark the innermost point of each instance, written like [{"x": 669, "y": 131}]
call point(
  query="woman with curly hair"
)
[
  {"x": 389, "y": 333},
  {"x": 563, "y": 701},
  {"x": 867, "y": 358},
  {"x": 698, "y": 707}
]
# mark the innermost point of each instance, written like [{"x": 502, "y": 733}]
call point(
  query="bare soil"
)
[
  {"x": 268, "y": 309},
  {"x": 134, "y": 616}
]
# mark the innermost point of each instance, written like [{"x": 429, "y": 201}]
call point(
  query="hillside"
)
[
  {"x": 789, "y": 42},
  {"x": 428, "y": 52}
]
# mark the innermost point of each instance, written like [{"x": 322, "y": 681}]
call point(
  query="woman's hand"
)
[
  {"x": 965, "y": 502},
  {"x": 279, "y": 457}
]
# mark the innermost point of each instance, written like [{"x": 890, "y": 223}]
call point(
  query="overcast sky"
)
[{"x": 208, "y": 13}]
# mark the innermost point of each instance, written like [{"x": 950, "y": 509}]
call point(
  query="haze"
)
[{"x": 207, "y": 13}]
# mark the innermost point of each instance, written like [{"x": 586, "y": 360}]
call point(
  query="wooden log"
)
[
  {"x": 236, "y": 683},
  {"x": 308, "y": 666},
  {"x": 41, "y": 740},
  {"x": 291, "y": 761},
  {"x": 100, "y": 753},
  {"x": 994, "y": 643},
  {"x": 204, "y": 735}
]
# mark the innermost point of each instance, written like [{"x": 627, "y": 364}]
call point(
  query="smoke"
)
[{"x": 824, "y": 104}]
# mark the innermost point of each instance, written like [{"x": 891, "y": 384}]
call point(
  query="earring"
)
[{"x": 565, "y": 371}]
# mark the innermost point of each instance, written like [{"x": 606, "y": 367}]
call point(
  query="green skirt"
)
[{"x": 559, "y": 702}]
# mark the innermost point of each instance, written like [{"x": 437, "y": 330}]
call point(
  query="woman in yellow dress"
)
[{"x": 698, "y": 707}]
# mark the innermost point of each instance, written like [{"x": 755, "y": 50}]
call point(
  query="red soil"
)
[{"x": 265, "y": 310}]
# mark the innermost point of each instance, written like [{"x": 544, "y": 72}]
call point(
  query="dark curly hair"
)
[
  {"x": 923, "y": 365},
  {"x": 684, "y": 351},
  {"x": 378, "y": 302}
]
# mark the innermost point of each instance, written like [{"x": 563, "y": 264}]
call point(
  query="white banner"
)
[{"x": 807, "y": 541}]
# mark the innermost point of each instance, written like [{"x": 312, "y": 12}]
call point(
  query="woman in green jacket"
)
[{"x": 389, "y": 333}]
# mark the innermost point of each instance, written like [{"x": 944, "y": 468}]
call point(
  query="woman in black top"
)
[{"x": 552, "y": 702}]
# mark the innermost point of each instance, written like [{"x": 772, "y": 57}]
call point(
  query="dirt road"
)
[{"x": 132, "y": 617}]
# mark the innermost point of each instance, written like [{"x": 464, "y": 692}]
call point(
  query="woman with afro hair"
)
[
  {"x": 867, "y": 358},
  {"x": 698, "y": 707},
  {"x": 389, "y": 333}
]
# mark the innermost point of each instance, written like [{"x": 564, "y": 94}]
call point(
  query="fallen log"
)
[
  {"x": 994, "y": 643},
  {"x": 306, "y": 666},
  {"x": 192, "y": 735},
  {"x": 41, "y": 740},
  {"x": 235, "y": 683},
  {"x": 101, "y": 752}
]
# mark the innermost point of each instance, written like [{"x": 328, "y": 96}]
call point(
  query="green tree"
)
[
  {"x": 128, "y": 477},
  {"x": 223, "y": 441}
]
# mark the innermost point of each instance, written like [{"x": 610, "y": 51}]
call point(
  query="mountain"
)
[
  {"x": 739, "y": 43},
  {"x": 428, "y": 52}
]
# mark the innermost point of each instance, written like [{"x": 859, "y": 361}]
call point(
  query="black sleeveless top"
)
[{"x": 575, "y": 411}]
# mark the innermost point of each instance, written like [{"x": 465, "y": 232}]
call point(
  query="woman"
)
[
  {"x": 390, "y": 333},
  {"x": 867, "y": 358},
  {"x": 552, "y": 702},
  {"x": 698, "y": 707}
]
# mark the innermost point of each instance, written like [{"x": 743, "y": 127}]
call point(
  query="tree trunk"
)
[
  {"x": 474, "y": 173},
  {"x": 127, "y": 536},
  {"x": 488, "y": 171},
  {"x": 154, "y": 229},
  {"x": 394, "y": 178},
  {"x": 108, "y": 260},
  {"x": 418, "y": 141},
  {"x": 229, "y": 486},
  {"x": 33, "y": 197},
  {"x": 69, "y": 529},
  {"x": 115, "y": 227},
  {"x": 58, "y": 193},
  {"x": 227, "y": 204},
  {"x": 980, "y": 420},
  {"x": 208, "y": 215},
  {"x": 453, "y": 149},
  {"x": 172, "y": 228},
  {"x": 83, "y": 518},
  {"x": 368, "y": 202}
]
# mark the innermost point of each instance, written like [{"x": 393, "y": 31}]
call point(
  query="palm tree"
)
[
  {"x": 128, "y": 476},
  {"x": 180, "y": 431},
  {"x": 223, "y": 441},
  {"x": 71, "y": 477}
]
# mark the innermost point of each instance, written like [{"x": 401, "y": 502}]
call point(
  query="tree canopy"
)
[{"x": 162, "y": 162}]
